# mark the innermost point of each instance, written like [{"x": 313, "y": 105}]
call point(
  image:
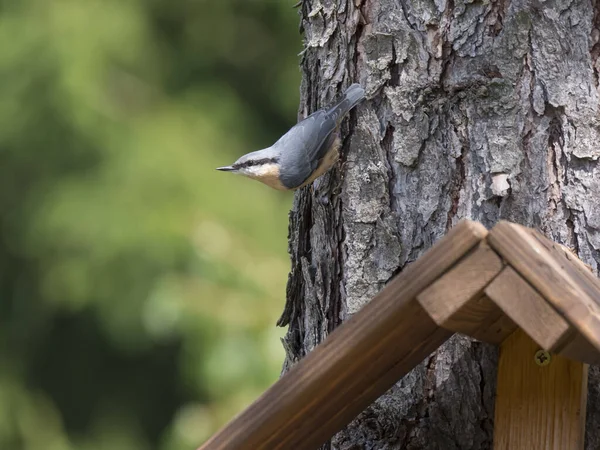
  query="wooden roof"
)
[{"x": 482, "y": 284}]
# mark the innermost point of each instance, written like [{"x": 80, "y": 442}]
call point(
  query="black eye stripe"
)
[{"x": 258, "y": 162}]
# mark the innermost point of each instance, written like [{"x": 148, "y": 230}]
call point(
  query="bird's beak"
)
[{"x": 226, "y": 168}]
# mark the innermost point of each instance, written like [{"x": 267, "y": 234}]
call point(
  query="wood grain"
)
[
  {"x": 357, "y": 363},
  {"x": 573, "y": 266},
  {"x": 455, "y": 301},
  {"x": 580, "y": 349},
  {"x": 529, "y": 310},
  {"x": 538, "y": 407},
  {"x": 559, "y": 283},
  {"x": 496, "y": 326}
]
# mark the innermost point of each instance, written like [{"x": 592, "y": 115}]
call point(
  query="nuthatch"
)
[{"x": 305, "y": 152}]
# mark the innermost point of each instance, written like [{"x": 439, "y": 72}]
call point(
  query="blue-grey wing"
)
[{"x": 305, "y": 145}]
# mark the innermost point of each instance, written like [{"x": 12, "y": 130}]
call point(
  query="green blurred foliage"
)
[{"x": 139, "y": 287}]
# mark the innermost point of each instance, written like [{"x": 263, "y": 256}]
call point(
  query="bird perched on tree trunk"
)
[{"x": 305, "y": 152}]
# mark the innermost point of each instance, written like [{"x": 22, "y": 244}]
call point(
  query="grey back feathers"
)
[
  {"x": 300, "y": 151},
  {"x": 302, "y": 148}
]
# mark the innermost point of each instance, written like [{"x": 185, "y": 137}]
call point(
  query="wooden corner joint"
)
[
  {"x": 456, "y": 300},
  {"x": 560, "y": 278}
]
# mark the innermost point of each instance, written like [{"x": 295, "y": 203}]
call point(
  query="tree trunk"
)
[{"x": 476, "y": 109}]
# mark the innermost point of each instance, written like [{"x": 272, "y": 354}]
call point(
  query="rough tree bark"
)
[{"x": 480, "y": 109}]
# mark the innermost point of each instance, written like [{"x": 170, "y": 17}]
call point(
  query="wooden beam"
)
[
  {"x": 529, "y": 310},
  {"x": 566, "y": 288},
  {"x": 496, "y": 326},
  {"x": 579, "y": 349},
  {"x": 538, "y": 407},
  {"x": 357, "y": 363},
  {"x": 525, "y": 306},
  {"x": 456, "y": 301},
  {"x": 578, "y": 271}
]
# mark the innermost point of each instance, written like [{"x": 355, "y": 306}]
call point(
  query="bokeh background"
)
[{"x": 139, "y": 287}]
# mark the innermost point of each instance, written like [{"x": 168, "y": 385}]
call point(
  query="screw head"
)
[{"x": 542, "y": 358}]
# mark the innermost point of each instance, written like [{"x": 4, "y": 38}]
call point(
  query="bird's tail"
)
[{"x": 352, "y": 97}]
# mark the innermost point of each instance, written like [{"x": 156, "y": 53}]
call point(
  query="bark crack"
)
[
  {"x": 595, "y": 41},
  {"x": 388, "y": 147},
  {"x": 459, "y": 180}
]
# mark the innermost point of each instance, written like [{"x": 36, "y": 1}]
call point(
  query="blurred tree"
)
[{"x": 138, "y": 287}]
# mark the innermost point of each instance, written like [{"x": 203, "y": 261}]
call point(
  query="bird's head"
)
[{"x": 262, "y": 165}]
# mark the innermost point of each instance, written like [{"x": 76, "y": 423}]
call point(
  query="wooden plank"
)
[
  {"x": 532, "y": 260},
  {"x": 529, "y": 310},
  {"x": 455, "y": 301},
  {"x": 571, "y": 256},
  {"x": 361, "y": 392},
  {"x": 538, "y": 407},
  {"x": 496, "y": 326},
  {"x": 580, "y": 349},
  {"x": 357, "y": 363},
  {"x": 571, "y": 264}
]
